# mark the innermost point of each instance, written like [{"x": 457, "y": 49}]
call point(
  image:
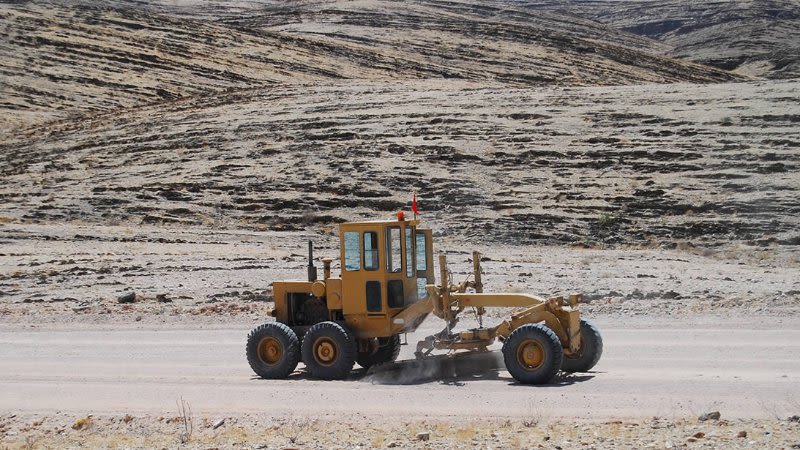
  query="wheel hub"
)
[
  {"x": 325, "y": 351},
  {"x": 530, "y": 354},
  {"x": 270, "y": 351}
]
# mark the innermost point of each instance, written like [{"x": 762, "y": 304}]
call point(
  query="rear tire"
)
[
  {"x": 589, "y": 354},
  {"x": 384, "y": 354},
  {"x": 329, "y": 351},
  {"x": 273, "y": 350},
  {"x": 533, "y": 354}
]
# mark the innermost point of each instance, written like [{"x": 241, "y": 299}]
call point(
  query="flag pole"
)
[{"x": 414, "y": 205}]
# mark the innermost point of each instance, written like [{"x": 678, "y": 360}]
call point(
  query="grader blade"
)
[{"x": 458, "y": 366}]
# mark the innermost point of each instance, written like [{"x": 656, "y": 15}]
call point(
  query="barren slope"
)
[
  {"x": 65, "y": 58},
  {"x": 635, "y": 165},
  {"x": 753, "y": 37}
]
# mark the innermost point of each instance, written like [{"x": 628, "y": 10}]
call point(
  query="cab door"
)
[
  {"x": 362, "y": 277},
  {"x": 401, "y": 276}
]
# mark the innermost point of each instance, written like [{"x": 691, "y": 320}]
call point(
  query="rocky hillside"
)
[
  {"x": 635, "y": 165},
  {"x": 63, "y": 59},
  {"x": 759, "y": 38},
  {"x": 513, "y": 124}
]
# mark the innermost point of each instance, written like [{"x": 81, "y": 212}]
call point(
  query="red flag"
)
[{"x": 414, "y": 204}]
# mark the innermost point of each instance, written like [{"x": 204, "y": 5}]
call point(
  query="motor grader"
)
[{"x": 387, "y": 288}]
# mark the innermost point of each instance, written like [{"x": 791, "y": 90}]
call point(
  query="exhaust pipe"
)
[{"x": 312, "y": 271}]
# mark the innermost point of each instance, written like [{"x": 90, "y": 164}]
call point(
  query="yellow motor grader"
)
[{"x": 387, "y": 287}]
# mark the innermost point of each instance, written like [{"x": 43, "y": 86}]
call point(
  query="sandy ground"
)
[
  {"x": 63, "y": 273},
  {"x": 670, "y": 370},
  {"x": 655, "y": 377},
  {"x": 687, "y": 331}
]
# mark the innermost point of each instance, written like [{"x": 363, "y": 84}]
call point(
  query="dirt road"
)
[{"x": 743, "y": 370}]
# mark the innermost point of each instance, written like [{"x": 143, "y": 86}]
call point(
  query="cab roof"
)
[{"x": 413, "y": 222}]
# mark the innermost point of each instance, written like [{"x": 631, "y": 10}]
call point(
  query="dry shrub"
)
[
  {"x": 82, "y": 423},
  {"x": 185, "y": 416}
]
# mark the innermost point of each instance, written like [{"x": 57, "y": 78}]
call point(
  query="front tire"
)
[
  {"x": 533, "y": 354},
  {"x": 273, "y": 350},
  {"x": 329, "y": 351},
  {"x": 589, "y": 354},
  {"x": 384, "y": 354}
]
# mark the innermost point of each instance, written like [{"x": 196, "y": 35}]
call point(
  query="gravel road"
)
[{"x": 648, "y": 369}]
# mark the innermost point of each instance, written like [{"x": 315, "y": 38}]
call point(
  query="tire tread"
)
[
  {"x": 347, "y": 349},
  {"x": 585, "y": 362},
  {"x": 290, "y": 343},
  {"x": 552, "y": 345}
]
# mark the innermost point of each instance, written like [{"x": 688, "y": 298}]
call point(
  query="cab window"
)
[
  {"x": 422, "y": 266},
  {"x": 370, "y": 240},
  {"x": 422, "y": 263},
  {"x": 409, "y": 252},
  {"x": 393, "y": 249},
  {"x": 374, "y": 296},
  {"x": 352, "y": 255}
]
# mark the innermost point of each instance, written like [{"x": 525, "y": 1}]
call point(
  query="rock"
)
[
  {"x": 691, "y": 439},
  {"x": 741, "y": 434},
  {"x": 128, "y": 297},
  {"x": 138, "y": 318},
  {"x": 794, "y": 418},
  {"x": 392, "y": 444},
  {"x": 714, "y": 415},
  {"x": 162, "y": 298},
  {"x": 699, "y": 435},
  {"x": 424, "y": 436},
  {"x": 218, "y": 423}
]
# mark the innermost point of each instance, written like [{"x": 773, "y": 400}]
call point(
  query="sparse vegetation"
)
[
  {"x": 294, "y": 430},
  {"x": 83, "y": 423},
  {"x": 534, "y": 417},
  {"x": 186, "y": 420},
  {"x": 605, "y": 220},
  {"x": 382, "y": 432}
]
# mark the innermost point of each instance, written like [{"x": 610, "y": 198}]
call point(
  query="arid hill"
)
[
  {"x": 283, "y": 116},
  {"x": 64, "y": 59},
  {"x": 636, "y": 165},
  {"x": 759, "y": 38}
]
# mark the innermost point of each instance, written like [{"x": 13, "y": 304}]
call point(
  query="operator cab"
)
[{"x": 385, "y": 267}]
